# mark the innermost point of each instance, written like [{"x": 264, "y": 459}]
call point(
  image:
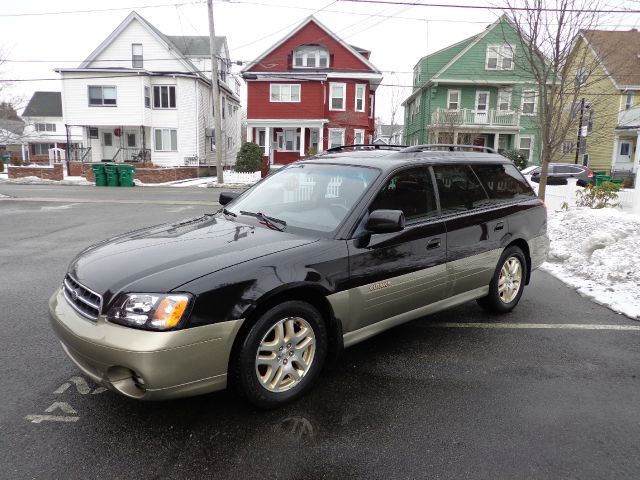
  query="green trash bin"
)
[
  {"x": 600, "y": 179},
  {"x": 99, "y": 174},
  {"x": 126, "y": 173},
  {"x": 6, "y": 158},
  {"x": 618, "y": 181},
  {"x": 112, "y": 174}
]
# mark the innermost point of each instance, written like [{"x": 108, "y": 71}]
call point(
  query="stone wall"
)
[
  {"x": 47, "y": 173},
  {"x": 147, "y": 175}
]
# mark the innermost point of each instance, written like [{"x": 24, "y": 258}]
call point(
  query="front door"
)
[
  {"x": 624, "y": 153},
  {"x": 482, "y": 107},
  {"x": 108, "y": 148},
  {"x": 396, "y": 273}
]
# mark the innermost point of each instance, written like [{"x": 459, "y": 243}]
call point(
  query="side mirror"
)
[
  {"x": 226, "y": 197},
  {"x": 385, "y": 221}
]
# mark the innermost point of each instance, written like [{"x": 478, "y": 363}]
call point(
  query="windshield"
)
[{"x": 314, "y": 197}]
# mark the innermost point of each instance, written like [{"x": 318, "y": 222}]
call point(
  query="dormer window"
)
[{"x": 311, "y": 56}]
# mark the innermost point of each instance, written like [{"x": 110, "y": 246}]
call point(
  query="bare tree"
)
[{"x": 550, "y": 30}]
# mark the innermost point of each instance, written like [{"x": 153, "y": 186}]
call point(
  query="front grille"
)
[{"x": 83, "y": 300}]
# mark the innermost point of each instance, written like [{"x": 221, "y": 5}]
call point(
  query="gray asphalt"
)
[{"x": 418, "y": 401}]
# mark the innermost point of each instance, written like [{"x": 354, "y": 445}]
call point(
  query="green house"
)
[{"x": 477, "y": 91}]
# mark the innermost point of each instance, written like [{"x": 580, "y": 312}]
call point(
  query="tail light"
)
[{"x": 590, "y": 173}]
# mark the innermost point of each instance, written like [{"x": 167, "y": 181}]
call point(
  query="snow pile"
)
[{"x": 598, "y": 253}]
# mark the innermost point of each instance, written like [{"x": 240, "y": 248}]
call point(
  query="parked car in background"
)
[
  {"x": 559, "y": 172},
  {"x": 530, "y": 169},
  {"x": 321, "y": 255}
]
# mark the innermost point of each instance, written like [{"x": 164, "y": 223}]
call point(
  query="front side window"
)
[
  {"x": 459, "y": 189},
  {"x": 101, "y": 96},
  {"x": 529, "y": 102},
  {"x": 499, "y": 57},
  {"x": 453, "y": 100},
  {"x": 337, "y": 94},
  {"x": 360, "y": 91},
  {"x": 336, "y": 137},
  {"x": 283, "y": 92},
  {"x": 164, "y": 96},
  {"x": 502, "y": 182},
  {"x": 166, "y": 139},
  {"x": 136, "y": 55},
  {"x": 311, "y": 56},
  {"x": 410, "y": 191}
]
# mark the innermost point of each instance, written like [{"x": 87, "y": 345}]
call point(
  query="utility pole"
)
[
  {"x": 215, "y": 92},
  {"x": 579, "y": 144}
]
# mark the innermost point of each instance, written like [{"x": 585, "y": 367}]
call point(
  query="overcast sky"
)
[{"x": 397, "y": 36}]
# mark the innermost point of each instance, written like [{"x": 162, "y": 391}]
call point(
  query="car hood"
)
[{"x": 164, "y": 257}]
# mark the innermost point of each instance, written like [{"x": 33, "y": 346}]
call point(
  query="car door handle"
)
[
  {"x": 433, "y": 243},
  {"x": 499, "y": 226}
]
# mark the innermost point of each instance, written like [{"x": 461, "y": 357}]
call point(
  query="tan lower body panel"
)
[
  {"x": 142, "y": 364},
  {"x": 539, "y": 248}
]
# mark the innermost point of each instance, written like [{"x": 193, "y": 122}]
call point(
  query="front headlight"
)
[{"x": 153, "y": 311}]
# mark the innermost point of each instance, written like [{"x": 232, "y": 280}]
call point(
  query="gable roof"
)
[
  {"x": 303, "y": 24},
  {"x": 182, "y": 47},
  {"x": 44, "y": 104},
  {"x": 619, "y": 53}
]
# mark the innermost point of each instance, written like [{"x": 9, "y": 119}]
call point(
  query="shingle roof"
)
[
  {"x": 44, "y": 104},
  {"x": 619, "y": 52}
]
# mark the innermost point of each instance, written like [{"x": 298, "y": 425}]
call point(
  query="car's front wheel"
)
[
  {"x": 281, "y": 355},
  {"x": 507, "y": 283}
]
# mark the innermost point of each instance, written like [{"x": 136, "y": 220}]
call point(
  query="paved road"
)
[{"x": 441, "y": 397}]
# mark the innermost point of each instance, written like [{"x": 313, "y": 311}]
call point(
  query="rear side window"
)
[
  {"x": 503, "y": 182},
  {"x": 459, "y": 189},
  {"x": 410, "y": 191}
]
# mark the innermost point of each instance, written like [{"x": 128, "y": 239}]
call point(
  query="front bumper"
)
[{"x": 142, "y": 364}]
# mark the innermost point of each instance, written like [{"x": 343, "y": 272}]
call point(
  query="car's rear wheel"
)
[
  {"x": 507, "y": 283},
  {"x": 281, "y": 355}
]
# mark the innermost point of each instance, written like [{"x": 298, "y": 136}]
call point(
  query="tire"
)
[
  {"x": 271, "y": 366},
  {"x": 507, "y": 284}
]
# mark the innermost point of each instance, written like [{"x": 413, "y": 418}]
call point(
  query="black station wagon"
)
[{"x": 321, "y": 255}]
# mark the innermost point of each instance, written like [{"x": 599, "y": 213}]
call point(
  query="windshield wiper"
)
[
  {"x": 227, "y": 212},
  {"x": 268, "y": 221}
]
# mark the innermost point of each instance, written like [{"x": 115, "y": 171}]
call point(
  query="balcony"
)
[
  {"x": 466, "y": 117},
  {"x": 629, "y": 118}
]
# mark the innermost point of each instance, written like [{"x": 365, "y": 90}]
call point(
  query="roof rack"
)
[
  {"x": 363, "y": 146},
  {"x": 451, "y": 147}
]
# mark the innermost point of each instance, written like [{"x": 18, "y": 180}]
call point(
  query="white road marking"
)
[
  {"x": 550, "y": 326},
  {"x": 104, "y": 200},
  {"x": 64, "y": 406},
  {"x": 50, "y": 418},
  {"x": 81, "y": 386},
  {"x": 60, "y": 207}
]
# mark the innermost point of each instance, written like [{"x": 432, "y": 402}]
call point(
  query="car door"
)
[
  {"x": 474, "y": 228},
  {"x": 395, "y": 273}
]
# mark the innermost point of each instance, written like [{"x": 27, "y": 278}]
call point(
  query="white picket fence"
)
[
  {"x": 242, "y": 178},
  {"x": 558, "y": 195},
  {"x": 305, "y": 188}
]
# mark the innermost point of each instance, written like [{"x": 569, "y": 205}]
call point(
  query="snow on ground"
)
[
  {"x": 598, "y": 253},
  {"x": 42, "y": 181}
]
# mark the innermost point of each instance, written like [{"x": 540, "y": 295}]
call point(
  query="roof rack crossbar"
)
[
  {"x": 452, "y": 147},
  {"x": 363, "y": 146}
]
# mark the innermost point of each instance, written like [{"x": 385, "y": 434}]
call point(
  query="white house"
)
[
  {"x": 45, "y": 128},
  {"x": 388, "y": 134},
  {"x": 144, "y": 95}
]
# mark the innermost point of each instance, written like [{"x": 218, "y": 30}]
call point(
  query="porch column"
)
[
  {"x": 636, "y": 155},
  {"x": 302, "y": 147},
  {"x": 455, "y": 138},
  {"x": 249, "y": 134},
  {"x": 496, "y": 141},
  {"x": 616, "y": 149},
  {"x": 321, "y": 139},
  {"x": 267, "y": 143}
]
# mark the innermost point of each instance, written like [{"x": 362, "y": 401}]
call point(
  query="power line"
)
[
  {"x": 97, "y": 10},
  {"x": 489, "y": 7}
]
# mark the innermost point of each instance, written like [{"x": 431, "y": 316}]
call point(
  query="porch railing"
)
[
  {"x": 443, "y": 117},
  {"x": 79, "y": 154},
  {"x": 131, "y": 154}
]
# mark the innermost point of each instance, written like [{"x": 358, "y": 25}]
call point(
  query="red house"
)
[{"x": 310, "y": 91}]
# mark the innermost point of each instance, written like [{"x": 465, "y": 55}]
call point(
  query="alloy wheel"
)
[{"x": 510, "y": 279}]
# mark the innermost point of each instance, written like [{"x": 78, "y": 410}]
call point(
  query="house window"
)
[
  {"x": 223, "y": 109},
  {"x": 360, "y": 89},
  {"x": 526, "y": 146},
  {"x": 93, "y": 133},
  {"x": 358, "y": 136},
  {"x": 311, "y": 56},
  {"x": 164, "y": 96},
  {"x": 629, "y": 102},
  {"x": 131, "y": 140},
  {"x": 102, "y": 96},
  {"x": 499, "y": 57},
  {"x": 582, "y": 75},
  {"x": 529, "y": 102},
  {"x": 45, "y": 127},
  {"x": 504, "y": 100},
  {"x": 41, "y": 148},
  {"x": 371, "y": 106},
  {"x": 288, "y": 140},
  {"x": 282, "y": 92},
  {"x": 262, "y": 139},
  {"x": 147, "y": 97},
  {"x": 107, "y": 139},
  {"x": 453, "y": 99},
  {"x": 336, "y": 137},
  {"x": 590, "y": 115},
  {"x": 337, "y": 93},
  {"x": 166, "y": 139},
  {"x": 136, "y": 55}
]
